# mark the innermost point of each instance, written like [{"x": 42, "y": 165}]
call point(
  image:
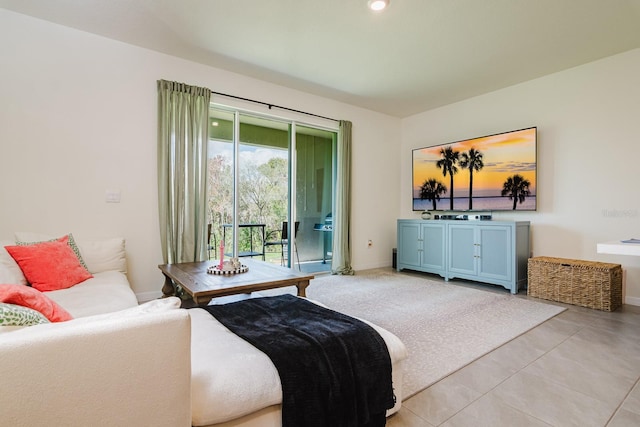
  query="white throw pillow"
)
[
  {"x": 104, "y": 254},
  {"x": 10, "y": 273}
]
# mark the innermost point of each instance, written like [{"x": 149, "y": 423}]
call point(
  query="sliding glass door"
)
[
  {"x": 315, "y": 150},
  {"x": 270, "y": 186}
]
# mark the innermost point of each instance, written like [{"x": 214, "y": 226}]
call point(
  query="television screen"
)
[{"x": 489, "y": 173}]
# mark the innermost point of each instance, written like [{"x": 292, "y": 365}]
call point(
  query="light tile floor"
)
[{"x": 580, "y": 368}]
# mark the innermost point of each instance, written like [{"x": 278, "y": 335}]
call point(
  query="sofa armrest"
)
[{"x": 116, "y": 372}]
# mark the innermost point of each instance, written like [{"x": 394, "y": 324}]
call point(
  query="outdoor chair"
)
[{"x": 281, "y": 238}]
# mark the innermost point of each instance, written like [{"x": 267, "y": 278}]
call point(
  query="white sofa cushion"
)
[
  {"x": 229, "y": 377},
  {"x": 10, "y": 273},
  {"x": 106, "y": 292}
]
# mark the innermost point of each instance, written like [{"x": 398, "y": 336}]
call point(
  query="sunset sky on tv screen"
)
[{"x": 504, "y": 155}]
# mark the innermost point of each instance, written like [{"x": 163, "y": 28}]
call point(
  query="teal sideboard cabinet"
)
[{"x": 493, "y": 252}]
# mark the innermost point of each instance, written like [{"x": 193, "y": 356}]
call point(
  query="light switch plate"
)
[{"x": 113, "y": 196}]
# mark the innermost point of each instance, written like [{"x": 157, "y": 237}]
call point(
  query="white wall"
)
[
  {"x": 78, "y": 118},
  {"x": 588, "y": 151}
]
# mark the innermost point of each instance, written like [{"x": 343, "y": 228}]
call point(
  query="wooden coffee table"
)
[{"x": 202, "y": 286}]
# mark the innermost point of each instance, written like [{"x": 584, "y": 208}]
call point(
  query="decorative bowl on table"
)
[{"x": 232, "y": 266}]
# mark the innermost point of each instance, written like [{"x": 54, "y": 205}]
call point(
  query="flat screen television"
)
[{"x": 490, "y": 173}]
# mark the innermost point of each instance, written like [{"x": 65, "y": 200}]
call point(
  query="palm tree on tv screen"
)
[
  {"x": 471, "y": 160},
  {"x": 517, "y": 188},
  {"x": 448, "y": 165},
  {"x": 431, "y": 190}
]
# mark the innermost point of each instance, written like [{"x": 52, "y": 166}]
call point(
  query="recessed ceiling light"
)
[{"x": 378, "y": 5}]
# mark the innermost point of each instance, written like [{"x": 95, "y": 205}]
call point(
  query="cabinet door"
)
[
  {"x": 433, "y": 253},
  {"x": 409, "y": 246},
  {"x": 462, "y": 251},
  {"x": 495, "y": 253}
]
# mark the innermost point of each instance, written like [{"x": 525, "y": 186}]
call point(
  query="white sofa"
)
[
  {"x": 119, "y": 364},
  {"x": 114, "y": 364}
]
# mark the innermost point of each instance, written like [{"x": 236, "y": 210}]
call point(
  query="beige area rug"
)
[{"x": 444, "y": 326}]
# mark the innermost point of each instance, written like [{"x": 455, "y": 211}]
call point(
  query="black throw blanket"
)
[{"x": 335, "y": 370}]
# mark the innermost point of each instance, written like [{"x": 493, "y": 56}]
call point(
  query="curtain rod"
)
[{"x": 273, "y": 106}]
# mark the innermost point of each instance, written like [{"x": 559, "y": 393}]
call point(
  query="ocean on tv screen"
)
[{"x": 498, "y": 203}]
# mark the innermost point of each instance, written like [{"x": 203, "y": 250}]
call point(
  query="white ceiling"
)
[{"x": 416, "y": 55}]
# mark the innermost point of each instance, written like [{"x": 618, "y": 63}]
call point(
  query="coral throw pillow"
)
[
  {"x": 34, "y": 299},
  {"x": 49, "y": 266}
]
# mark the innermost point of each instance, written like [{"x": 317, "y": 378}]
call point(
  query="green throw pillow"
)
[{"x": 17, "y": 315}]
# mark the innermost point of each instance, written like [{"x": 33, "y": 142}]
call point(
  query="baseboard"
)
[
  {"x": 148, "y": 296},
  {"x": 372, "y": 265},
  {"x": 632, "y": 300}
]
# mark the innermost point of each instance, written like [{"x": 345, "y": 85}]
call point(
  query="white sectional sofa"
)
[{"x": 118, "y": 363}]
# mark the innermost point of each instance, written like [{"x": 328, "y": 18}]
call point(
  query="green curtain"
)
[
  {"x": 183, "y": 116},
  {"x": 341, "y": 259}
]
